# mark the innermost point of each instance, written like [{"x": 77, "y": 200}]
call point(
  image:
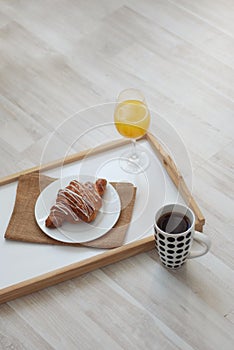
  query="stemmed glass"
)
[{"x": 132, "y": 119}]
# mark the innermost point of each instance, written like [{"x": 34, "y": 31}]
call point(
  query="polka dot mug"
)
[{"x": 174, "y": 234}]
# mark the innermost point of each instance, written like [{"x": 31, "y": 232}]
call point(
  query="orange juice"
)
[{"x": 132, "y": 118}]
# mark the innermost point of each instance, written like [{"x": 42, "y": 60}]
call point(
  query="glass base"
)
[{"x": 134, "y": 163}]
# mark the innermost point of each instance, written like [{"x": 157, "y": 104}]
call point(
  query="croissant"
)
[{"x": 77, "y": 202}]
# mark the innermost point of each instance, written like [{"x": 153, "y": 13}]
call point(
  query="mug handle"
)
[{"x": 206, "y": 243}]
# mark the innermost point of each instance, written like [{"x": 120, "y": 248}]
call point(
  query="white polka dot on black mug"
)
[{"x": 174, "y": 232}]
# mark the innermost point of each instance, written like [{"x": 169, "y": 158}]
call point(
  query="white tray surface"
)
[{"x": 21, "y": 261}]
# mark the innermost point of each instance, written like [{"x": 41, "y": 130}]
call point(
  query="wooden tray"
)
[{"x": 70, "y": 262}]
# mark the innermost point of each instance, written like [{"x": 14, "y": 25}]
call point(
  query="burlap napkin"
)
[{"x": 23, "y": 226}]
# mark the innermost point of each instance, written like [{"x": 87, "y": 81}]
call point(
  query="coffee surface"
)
[{"x": 174, "y": 223}]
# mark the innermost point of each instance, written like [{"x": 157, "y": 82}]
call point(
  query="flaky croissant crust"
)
[{"x": 77, "y": 202}]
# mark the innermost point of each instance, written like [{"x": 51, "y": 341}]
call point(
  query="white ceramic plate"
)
[{"x": 80, "y": 232}]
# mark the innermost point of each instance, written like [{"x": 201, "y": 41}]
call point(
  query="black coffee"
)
[{"x": 174, "y": 223}]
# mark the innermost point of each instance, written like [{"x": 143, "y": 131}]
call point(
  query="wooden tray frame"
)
[{"x": 113, "y": 255}]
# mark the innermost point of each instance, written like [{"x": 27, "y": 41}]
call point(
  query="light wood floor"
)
[{"x": 58, "y": 57}]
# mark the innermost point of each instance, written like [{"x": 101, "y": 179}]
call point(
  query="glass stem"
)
[{"x": 134, "y": 155}]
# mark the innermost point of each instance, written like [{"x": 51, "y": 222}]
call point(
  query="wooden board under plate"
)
[{"x": 39, "y": 279}]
